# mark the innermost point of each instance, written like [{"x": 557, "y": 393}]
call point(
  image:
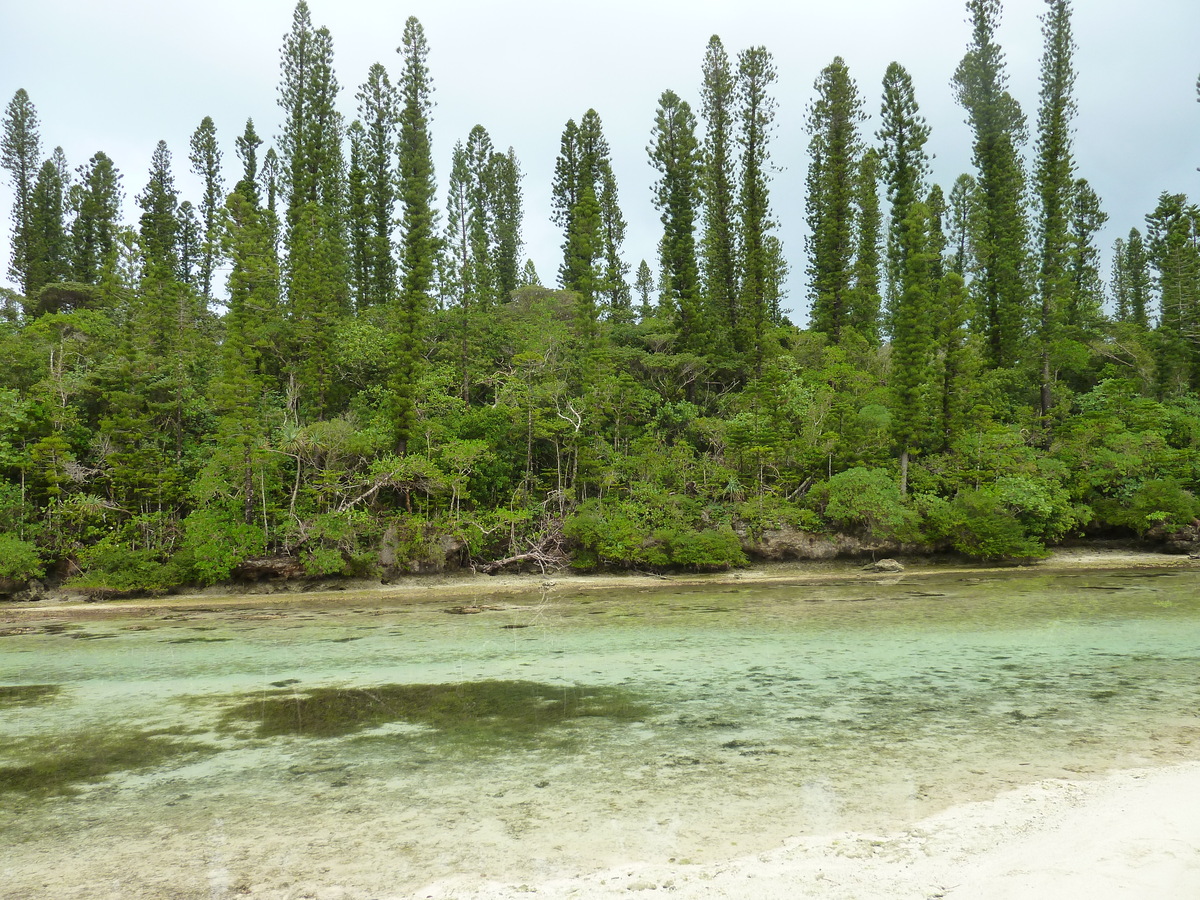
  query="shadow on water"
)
[
  {"x": 477, "y": 712},
  {"x": 59, "y": 764}
]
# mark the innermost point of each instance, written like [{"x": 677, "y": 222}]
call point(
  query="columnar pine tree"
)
[
  {"x": 951, "y": 363},
  {"x": 1054, "y": 184},
  {"x": 470, "y": 243},
  {"x": 1001, "y": 228},
  {"x": 643, "y": 286},
  {"x": 759, "y": 257},
  {"x": 189, "y": 246},
  {"x": 835, "y": 149},
  {"x": 418, "y": 228},
  {"x": 313, "y": 172},
  {"x": 963, "y": 206},
  {"x": 719, "y": 259},
  {"x": 96, "y": 203},
  {"x": 205, "y": 157},
  {"x": 248, "y": 243},
  {"x": 912, "y": 338},
  {"x": 163, "y": 301},
  {"x": 246, "y": 146},
  {"x": 865, "y": 300},
  {"x": 583, "y": 247},
  {"x": 1137, "y": 267},
  {"x": 1118, "y": 282},
  {"x": 938, "y": 242},
  {"x": 564, "y": 189},
  {"x": 674, "y": 153},
  {"x": 506, "y": 212},
  {"x": 47, "y": 250},
  {"x": 584, "y": 161},
  {"x": 358, "y": 218},
  {"x": 1085, "y": 297},
  {"x": 269, "y": 179},
  {"x": 457, "y": 242},
  {"x": 479, "y": 225},
  {"x": 1173, "y": 248},
  {"x": 21, "y": 154},
  {"x": 529, "y": 275},
  {"x": 614, "y": 279},
  {"x": 378, "y": 111},
  {"x": 902, "y": 136}
]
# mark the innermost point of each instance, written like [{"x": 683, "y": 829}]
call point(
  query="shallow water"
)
[{"x": 375, "y": 744}]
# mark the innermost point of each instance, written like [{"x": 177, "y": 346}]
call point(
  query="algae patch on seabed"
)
[
  {"x": 28, "y": 694},
  {"x": 476, "y": 712},
  {"x": 59, "y": 764}
]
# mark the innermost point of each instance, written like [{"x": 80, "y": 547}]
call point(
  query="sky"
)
[{"x": 121, "y": 75}]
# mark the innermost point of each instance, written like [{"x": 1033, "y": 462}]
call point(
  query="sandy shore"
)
[
  {"x": 473, "y": 588},
  {"x": 1129, "y": 836}
]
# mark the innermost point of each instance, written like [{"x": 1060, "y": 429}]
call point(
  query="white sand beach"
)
[{"x": 1132, "y": 835}]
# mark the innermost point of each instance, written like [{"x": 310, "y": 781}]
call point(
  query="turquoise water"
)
[{"x": 372, "y": 744}]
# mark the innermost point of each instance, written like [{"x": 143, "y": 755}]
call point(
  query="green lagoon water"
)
[{"x": 373, "y": 744}]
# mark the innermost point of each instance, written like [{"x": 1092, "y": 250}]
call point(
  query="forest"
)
[{"x": 319, "y": 367}]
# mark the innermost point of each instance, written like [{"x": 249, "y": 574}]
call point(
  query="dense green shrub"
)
[
  {"x": 111, "y": 568},
  {"x": 979, "y": 523},
  {"x": 866, "y": 500},
  {"x": 218, "y": 541},
  {"x": 1158, "y": 503},
  {"x": 19, "y": 560},
  {"x": 617, "y": 535}
]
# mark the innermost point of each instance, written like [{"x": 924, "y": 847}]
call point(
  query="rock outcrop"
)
[{"x": 783, "y": 544}]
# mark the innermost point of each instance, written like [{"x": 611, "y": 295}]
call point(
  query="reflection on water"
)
[{"x": 375, "y": 744}]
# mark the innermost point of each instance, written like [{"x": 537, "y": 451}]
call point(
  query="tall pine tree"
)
[
  {"x": 379, "y": 113},
  {"x": 1054, "y": 183},
  {"x": 316, "y": 252},
  {"x": 1001, "y": 232},
  {"x": 674, "y": 153},
  {"x": 902, "y": 136},
  {"x": 835, "y": 150},
  {"x": 21, "y": 154},
  {"x": 759, "y": 255},
  {"x": 418, "y": 229},
  {"x": 719, "y": 260},
  {"x": 206, "y": 165}
]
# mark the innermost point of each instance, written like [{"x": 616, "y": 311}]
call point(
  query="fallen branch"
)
[{"x": 546, "y": 554}]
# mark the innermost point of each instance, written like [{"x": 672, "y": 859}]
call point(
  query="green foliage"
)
[
  {"x": 1160, "y": 503},
  {"x": 217, "y": 541},
  {"x": 980, "y": 523},
  {"x": 19, "y": 560},
  {"x": 374, "y": 393},
  {"x": 111, "y": 568},
  {"x": 622, "y": 535},
  {"x": 835, "y": 148},
  {"x": 867, "y": 500}
]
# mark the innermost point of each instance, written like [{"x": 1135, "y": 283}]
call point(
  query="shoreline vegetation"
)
[
  {"x": 499, "y": 591},
  {"x": 381, "y": 388}
]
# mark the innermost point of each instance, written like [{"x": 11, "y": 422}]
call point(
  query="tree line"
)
[{"x": 319, "y": 363}]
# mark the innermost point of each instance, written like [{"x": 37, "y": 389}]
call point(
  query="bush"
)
[
  {"x": 1042, "y": 506},
  {"x": 708, "y": 550},
  {"x": 19, "y": 559},
  {"x": 765, "y": 513},
  {"x": 862, "y": 499},
  {"x": 111, "y": 568},
  {"x": 980, "y": 523},
  {"x": 217, "y": 542},
  {"x": 616, "y": 534},
  {"x": 1159, "y": 503}
]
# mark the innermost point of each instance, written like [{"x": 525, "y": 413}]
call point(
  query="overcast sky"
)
[{"x": 119, "y": 76}]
